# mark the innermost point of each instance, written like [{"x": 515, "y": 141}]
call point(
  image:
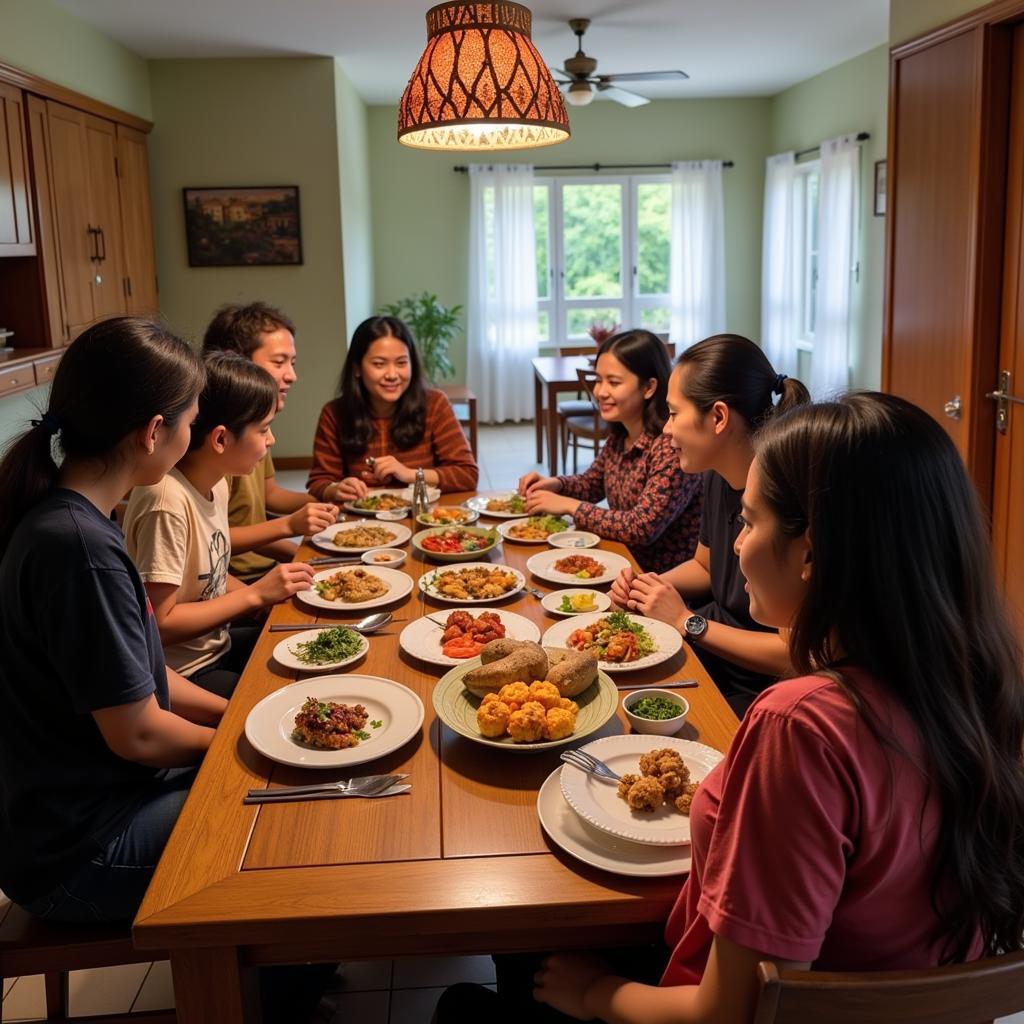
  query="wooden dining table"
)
[
  {"x": 552, "y": 376},
  {"x": 458, "y": 865}
]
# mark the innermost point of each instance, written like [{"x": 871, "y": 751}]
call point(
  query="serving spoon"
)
[{"x": 368, "y": 625}]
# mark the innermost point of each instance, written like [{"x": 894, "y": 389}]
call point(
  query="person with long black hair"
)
[
  {"x": 385, "y": 424},
  {"x": 653, "y": 506},
  {"x": 92, "y": 724},
  {"x": 721, "y": 391}
]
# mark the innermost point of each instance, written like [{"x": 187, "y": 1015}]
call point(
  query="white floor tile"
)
[
  {"x": 157, "y": 992},
  {"x": 364, "y": 1007},
  {"x": 414, "y": 1005},
  {"x": 27, "y": 1000},
  {"x": 1017, "y": 1018},
  {"x": 363, "y": 976},
  {"x": 106, "y": 989},
  {"x": 443, "y": 970}
]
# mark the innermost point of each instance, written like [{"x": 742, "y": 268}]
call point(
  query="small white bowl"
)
[
  {"x": 392, "y": 515},
  {"x": 375, "y": 556},
  {"x": 656, "y": 726},
  {"x": 574, "y": 539}
]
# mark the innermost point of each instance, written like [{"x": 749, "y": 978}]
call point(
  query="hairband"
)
[
  {"x": 777, "y": 389},
  {"x": 49, "y": 421}
]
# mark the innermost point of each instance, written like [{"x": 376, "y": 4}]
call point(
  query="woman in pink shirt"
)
[{"x": 869, "y": 814}]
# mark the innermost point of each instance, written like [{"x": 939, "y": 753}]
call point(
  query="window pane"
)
[
  {"x": 489, "y": 238},
  {"x": 655, "y": 318},
  {"x": 654, "y": 230},
  {"x": 540, "y": 227},
  {"x": 543, "y": 325},
  {"x": 580, "y": 320},
  {"x": 592, "y": 236},
  {"x": 812, "y": 254}
]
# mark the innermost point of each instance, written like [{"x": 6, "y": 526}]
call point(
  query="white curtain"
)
[
  {"x": 697, "y": 281},
  {"x": 780, "y": 265},
  {"x": 838, "y": 205},
  {"x": 502, "y": 292}
]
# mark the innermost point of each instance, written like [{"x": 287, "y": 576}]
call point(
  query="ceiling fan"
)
[{"x": 580, "y": 86}]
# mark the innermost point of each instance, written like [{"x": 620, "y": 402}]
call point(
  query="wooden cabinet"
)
[
  {"x": 136, "y": 222},
  {"x": 17, "y": 237}
]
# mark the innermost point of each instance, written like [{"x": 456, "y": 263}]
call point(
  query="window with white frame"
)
[
  {"x": 805, "y": 206},
  {"x": 603, "y": 254}
]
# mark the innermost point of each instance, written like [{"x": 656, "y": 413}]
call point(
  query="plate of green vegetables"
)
[{"x": 317, "y": 650}]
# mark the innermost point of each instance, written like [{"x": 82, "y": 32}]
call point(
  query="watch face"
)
[{"x": 695, "y": 625}]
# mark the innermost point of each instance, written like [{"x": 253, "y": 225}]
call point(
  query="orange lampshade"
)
[{"x": 481, "y": 84}]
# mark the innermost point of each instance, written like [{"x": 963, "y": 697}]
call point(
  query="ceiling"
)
[{"x": 729, "y": 47}]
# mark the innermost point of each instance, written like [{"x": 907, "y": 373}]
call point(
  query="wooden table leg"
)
[
  {"x": 538, "y": 414},
  {"x": 553, "y": 429},
  {"x": 210, "y": 985},
  {"x": 471, "y": 403}
]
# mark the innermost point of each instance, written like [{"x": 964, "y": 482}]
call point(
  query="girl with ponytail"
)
[
  {"x": 96, "y": 735},
  {"x": 722, "y": 390}
]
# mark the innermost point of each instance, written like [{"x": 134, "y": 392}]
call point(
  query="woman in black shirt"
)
[{"x": 721, "y": 390}]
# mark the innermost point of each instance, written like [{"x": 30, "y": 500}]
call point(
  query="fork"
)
[
  {"x": 588, "y": 763},
  {"x": 291, "y": 798},
  {"x": 535, "y": 592},
  {"x": 366, "y": 785}
]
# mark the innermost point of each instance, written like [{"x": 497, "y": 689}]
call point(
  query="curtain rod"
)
[
  {"x": 816, "y": 150},
  {"x": 463, "y": 169}
]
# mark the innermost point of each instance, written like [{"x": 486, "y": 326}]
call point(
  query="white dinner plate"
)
[
  {"x": 479, "y": 504},
  {"x": 598, "y": 802},
  {"x": 552, "y": 602},
  {"x": 505, "y": 529},
  {"x": 574, "y": 539},
  {"x": 542, "y": 565},
  {"x": 667, "y": 640},
  {"x": 325, "y": 538},
  {"x": 422, "y": 637},
  {"x": 566, "y": 829},
  {"x": 269, "y": 724},
  {"x": 285, "y": 652},
  {"x": 399, "y": 585},
  {"x": 456, "y": 707},
  {"x": 433, "y": 495},
  {"x": 429, "y": 582}
]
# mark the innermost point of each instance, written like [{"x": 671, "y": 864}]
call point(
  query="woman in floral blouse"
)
[{"x": 653, "y": 506}]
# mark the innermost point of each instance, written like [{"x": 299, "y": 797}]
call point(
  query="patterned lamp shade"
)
[{"x": 481, "y": 84}]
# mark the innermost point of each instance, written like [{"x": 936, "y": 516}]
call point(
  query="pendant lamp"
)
[{"x": 481, "y": 84}]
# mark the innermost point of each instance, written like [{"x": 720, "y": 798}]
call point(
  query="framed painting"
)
[{"x": 244, "y": 226}]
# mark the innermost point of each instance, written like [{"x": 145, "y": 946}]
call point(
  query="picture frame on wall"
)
[
  {"x": 243, "y": 226},
  {"x": 880, "y": 187}
]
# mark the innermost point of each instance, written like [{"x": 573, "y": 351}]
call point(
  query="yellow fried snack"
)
[
  {"x": 673, "y": 783},
  {"x": 527, "y": 724},
  {"x": 685, "y": 799},
  {"x": 662, "y": 761},
  {"x": 558, "y": 724},
  {"x": 568, "y": 705},
  {"x": 545, "y": 693},
  {"x": 492, "y": 718},
  {"x": 646, "y": 794},
  {"x": 626, "y": 783},
  {"x": 515, "y": 695}
]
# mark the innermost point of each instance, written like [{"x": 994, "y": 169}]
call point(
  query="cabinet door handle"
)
[
  {"x": 102, "y": 238},
  {"x": 94, "y": 240}
]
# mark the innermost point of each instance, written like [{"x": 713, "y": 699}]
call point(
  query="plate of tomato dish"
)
[
  {"x": 451, "y": 638},
  {"x": 455, "y": 543}
]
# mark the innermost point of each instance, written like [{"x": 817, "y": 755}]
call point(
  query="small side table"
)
[{"x": 459, "y": 395}]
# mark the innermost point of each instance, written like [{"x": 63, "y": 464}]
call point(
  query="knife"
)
[
  {"x": 290, "y": 798},
  {"x": 683, "y": 684}
]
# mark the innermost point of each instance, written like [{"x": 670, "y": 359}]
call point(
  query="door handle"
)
[
  {"x": 952, "y": 408},
  {"x": 94, "y": 238},
  {"x": 1003, "y": 398},
  {"x": 101, "y": 239}
]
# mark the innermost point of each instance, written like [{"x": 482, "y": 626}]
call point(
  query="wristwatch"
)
[{"x": 695, "y": 627}]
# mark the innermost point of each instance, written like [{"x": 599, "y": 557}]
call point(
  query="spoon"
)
[{"x": 368, "y": 625}]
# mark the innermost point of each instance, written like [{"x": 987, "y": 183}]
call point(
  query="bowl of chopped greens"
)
[
  {"x": 315, "y": 650},
  {"x": 656, "y": 712}
]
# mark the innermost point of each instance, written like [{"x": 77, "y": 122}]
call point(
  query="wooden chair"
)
[
  {"x": 960, "y": 994},
  {"x": 29, "y": 945},
  {"x": 589, "y": 427},
  {"x": 462, "y": 396},
  {"x": 582, "y": 404}
]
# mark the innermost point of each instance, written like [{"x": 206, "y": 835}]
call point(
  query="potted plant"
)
[
  {"x": 433, "y": 326},
  {"x": 599, "y": 330}
]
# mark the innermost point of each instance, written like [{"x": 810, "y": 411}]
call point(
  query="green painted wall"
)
[
  {"x": 38, "y": 36},
  {"x": 910, "y": 18},
  {"x": 421, "y": 208},
  {"x": 356, "y": 225},
  {"x": 255, "y": 122},
  {"x": 851, "y": 97}
]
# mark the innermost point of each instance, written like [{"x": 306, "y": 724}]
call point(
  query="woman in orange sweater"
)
[{"x": 384, "y": 424}]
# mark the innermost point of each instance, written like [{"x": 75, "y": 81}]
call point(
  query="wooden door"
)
[
  {"x": 108, "y": 289},
  {"x": 16, "y": 234},
  {"x": 136, "y": 222},
  {"x": 1008, "y": 489},
  {"x": 947, "y": 146},
  {"x": 76, "y": 242}
]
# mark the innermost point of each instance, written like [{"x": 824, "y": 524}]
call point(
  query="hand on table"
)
[
  {"x": 533, "y": 481},
  {"x": 350, "y": 489},
  {"x": 650, "y": 595},
  {"x": 563, "y": 980},
  {"x": 388, "y": 466},
  {"x": 282, "y": 581},
  {"x": 619, "y": 592},
  {"x": 312, "y": 518}
]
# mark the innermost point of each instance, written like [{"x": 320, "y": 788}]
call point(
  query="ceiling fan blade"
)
[
  {"x": 645, "y": 76},
  {"x": 627, "y": 99}
]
